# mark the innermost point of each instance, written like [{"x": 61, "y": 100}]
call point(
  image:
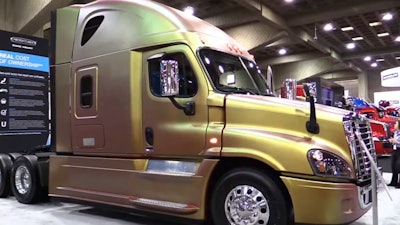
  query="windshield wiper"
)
[{"x": 236, "y": 90}]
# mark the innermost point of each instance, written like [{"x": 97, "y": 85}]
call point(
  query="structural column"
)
[
  {"x": 3, "y": 14},
  {"x": 363, "y": 86}
]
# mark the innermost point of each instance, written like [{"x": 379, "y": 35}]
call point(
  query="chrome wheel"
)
[
  {"x": 23, "y": 180},
  {"x": 246, "y": 205}
]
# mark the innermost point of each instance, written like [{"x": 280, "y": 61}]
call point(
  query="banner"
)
[
  {"x": 24, "y": 92},
  {"x": 390, "y": 77}
]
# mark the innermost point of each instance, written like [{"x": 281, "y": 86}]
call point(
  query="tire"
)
[
  {"x": 25, "y": 183},
  {"x": 253, "y": 189},
  {"x": 5, "y": 169}
]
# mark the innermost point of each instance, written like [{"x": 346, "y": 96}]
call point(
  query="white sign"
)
[
  {"x": 392, "y": 96},
  {"x": 391, "y": 77}
]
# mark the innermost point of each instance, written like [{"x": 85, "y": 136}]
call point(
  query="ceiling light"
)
[
  {"x": 282, "y": 51},
  {"x": 328, "y": 27},
  {"x": 374, "y": 24},
  {"x": 374, "y": 64},
  {"x": 347, "y": 28},
  {"x": 350, "y": 45},
  {"x": 383, "y": 34},
  {"x": 357, "y": 38},
  {"x": 397, "y": 39},
  {"x": 387, "y": 16},
  {"x": 398, "y": 57},
  {"x": 367, "y": 58},
  {"x": 380, "y": 60},
  {"x": 189, "y": 10},
  {"x": 289, "y": 1}
]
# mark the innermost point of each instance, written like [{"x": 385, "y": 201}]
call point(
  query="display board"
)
[
  {"x": 24, "y": 92},
  {"x": 390, "y": 77}
]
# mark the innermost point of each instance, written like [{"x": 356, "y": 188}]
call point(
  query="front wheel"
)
[{"x": 246, "y": 196}]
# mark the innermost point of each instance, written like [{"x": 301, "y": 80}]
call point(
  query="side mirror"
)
[
  {"x": 290, "y": 88},
  {"x": 169, "y": 77}
]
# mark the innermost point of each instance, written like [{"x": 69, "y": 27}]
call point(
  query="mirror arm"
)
[
  {"x": 175, "y": 103},
  {"x": 311, "y": 125},
  {"x": 188, "y": 108}
]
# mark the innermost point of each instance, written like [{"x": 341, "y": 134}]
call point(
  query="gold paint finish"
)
[
  {"x": 65, "y": 27},
  {"x": 175, "y": 133},
  {"x": 63, "y": 108},
  {"x": 118, "y": 181},
  {"x": 271, "y": 130},
  {"x": 132, "y": 26},
  {"x": 324, "y": 202},
  {"x": 111, "y": 123}
]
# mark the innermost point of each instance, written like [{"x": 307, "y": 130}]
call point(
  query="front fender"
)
[{"x": 283, "y": 152}]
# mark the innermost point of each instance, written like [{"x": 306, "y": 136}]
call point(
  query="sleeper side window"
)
[
  {"x": 86, "y": 91},
  {"x": 187, "y": 79}
]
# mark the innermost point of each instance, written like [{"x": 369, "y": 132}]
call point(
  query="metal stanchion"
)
[
  {"x": 374, "y": 198},
  {"x": 374, "y": 174}
]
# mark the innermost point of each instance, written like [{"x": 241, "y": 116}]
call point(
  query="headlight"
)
[{"x": 327, "y": 164}]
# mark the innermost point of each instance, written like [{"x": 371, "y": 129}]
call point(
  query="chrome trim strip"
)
[
  {"x": 172, "y": 167},
  {"x": 171, "y": 207},
  {"x": 146, "y": 201}
]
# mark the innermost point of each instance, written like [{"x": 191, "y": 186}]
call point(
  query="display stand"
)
[{"x": 375, "y": 176}]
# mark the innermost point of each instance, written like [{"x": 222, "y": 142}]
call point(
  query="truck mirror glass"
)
[
  {"x": 290, "y": 88},
  {"x": 169, "y": 77}
]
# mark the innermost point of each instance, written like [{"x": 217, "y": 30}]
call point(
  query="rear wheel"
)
[
  {"x": 25, "y": 182},
  {"x": 245, "y": 196},
  {"x": 5, "y": 169}
]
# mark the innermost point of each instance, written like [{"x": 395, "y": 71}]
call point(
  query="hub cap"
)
[
  {"x": 246, "y": 205},
  {"x": 23, "y": 180}
]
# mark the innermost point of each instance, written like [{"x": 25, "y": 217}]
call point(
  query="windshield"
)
[{"x": 234, "y": 74}]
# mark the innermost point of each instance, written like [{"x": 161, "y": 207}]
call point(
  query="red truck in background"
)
[
  {"x": 389, "y": 108},
  {"x": 381, "y": 133}
]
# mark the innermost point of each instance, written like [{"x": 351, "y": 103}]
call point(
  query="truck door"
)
[{"x": 168, "y": 129}]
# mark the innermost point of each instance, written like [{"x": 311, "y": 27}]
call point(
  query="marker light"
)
[{"x": 213, "y": 140}]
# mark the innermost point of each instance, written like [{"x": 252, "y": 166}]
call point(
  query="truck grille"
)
[{"x": 354, "y": 123}]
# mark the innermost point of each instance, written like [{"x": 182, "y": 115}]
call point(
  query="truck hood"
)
[
  {"x": 275, "y": 129},
  {"x": 283, "y": 116}
]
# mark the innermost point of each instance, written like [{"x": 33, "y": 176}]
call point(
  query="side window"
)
[
  {"x": 90, "y": 28},
  {"x": 187, "y": 79},
  {"x": 86, "y": 92}
]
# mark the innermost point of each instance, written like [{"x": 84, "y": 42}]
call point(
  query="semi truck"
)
[{"x": 160, "y": 112}]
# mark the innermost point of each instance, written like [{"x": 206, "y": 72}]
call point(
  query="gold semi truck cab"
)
[{"x": 161, "y": 112}]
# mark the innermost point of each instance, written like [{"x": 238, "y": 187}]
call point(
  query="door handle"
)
[{"x": 149, "y": 135}]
